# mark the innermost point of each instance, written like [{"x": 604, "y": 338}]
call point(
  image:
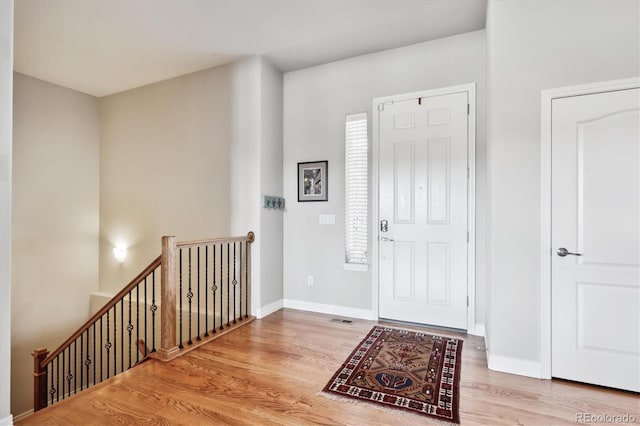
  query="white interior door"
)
[
  {"x": 596, "y": 215},
  {"x": 423, "y": 176}
]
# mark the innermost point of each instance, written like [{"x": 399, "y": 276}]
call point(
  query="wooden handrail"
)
[
  {"x": 250, "y": 237},
  {"x": 169, "y": 349},
  {"x": 114, "y": 300}
]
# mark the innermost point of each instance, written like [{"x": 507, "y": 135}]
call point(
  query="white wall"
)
[
  {"x": 316, "y": 101},
  {"x": 535, "y": 45},
  {"x": 271, "y": 184},
  {"x": 55, "y": 221},
  {"x": 164, "y": 168},
  {"x": 244, "y": 182},
  {"x": 256, "y": 158},
  {"x": 184, "y": 157},
  {"x": 6, "y": 102}
]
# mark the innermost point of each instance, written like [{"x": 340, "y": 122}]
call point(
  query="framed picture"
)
[{"x": 313, "y": 184}]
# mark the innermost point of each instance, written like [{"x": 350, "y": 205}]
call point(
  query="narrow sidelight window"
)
[{"x": 356, "y": 188}]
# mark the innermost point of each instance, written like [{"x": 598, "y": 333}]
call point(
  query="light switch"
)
[{"x": 327, "y": 219}]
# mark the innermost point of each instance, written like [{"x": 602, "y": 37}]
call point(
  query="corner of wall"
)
[{"x": 6, "y": 143}]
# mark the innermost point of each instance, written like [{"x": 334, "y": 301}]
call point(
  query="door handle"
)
[
  {"x": 386, "y": 239},
  {"x": 562, "y": 252}
]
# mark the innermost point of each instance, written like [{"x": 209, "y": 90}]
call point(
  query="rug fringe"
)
[{"x": 417, "y": 417}]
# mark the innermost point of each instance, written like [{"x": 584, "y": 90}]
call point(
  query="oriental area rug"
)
[{"x": 407, "y": 370}]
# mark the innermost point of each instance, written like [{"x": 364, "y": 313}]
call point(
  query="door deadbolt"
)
[{"x": 384, "y": 225}]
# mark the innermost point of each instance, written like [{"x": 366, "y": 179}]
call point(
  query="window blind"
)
[{"x": 356, "y": 188}]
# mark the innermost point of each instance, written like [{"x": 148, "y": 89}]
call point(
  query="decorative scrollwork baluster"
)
[
  {"x": 189, "y": 296},
  {"x": 87, "y": 361},
  {"x": 235, "y": 282},
  {"x": 69, "y": 376},
  {"x": 107, "y": 346},
  {"x": 130, "y": 329},
  {"x": 214, "y": 288},
  {"x": 154, "y": 308},
  {"x": 52, "y": 390}
]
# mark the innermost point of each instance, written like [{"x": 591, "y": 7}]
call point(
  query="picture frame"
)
[{"x": 313, "y": 182}]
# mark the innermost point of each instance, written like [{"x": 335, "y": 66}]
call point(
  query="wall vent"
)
[{"x": 343, "y": 321}]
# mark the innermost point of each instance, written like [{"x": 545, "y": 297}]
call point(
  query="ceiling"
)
[{"x": 101, "y": 47}]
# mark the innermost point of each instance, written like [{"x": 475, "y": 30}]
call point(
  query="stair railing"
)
[{"x": 206, "y": 283}]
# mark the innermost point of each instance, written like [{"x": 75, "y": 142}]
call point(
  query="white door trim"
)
[
  {"x": 471, "y": 193},
  {"x": 547, "y": 97}
]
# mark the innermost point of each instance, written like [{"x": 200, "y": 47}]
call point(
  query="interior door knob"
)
[{"x": 562, "y": 252}]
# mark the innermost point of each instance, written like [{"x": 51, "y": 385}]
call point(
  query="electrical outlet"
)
[{"x": 309, "y": 280}]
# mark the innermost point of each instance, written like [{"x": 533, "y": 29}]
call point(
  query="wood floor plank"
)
[{"x": 271, "y": 372}]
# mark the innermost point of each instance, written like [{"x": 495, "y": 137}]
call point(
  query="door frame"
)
[
  {"x": 470, "y": 89},
  {"x": 546, "y": 250}
]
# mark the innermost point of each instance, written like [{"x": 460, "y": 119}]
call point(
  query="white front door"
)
[
  {"x": 423, "y": 210},
  {"x": 596, "y": 219}
]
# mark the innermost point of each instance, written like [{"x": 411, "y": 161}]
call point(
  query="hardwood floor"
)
[{"x": 270, "y": 372}]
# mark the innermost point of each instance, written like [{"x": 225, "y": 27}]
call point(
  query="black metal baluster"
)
[
  {"x": 101, "y": 351},
  {"x": 69, "y": 375},
  {"x": 221, "y": 282},
  {"x": 235, "y": 282},
  {"x": 189, "y": 296},
  {"x": 95, "y": 360},
  {"x": 180, "y": 345},
  {"x": 228, "y": 291},
  {"x": 52, "y": 391},
  {"x": 130, "y": 328},
  {"x": 63, "y": 373},
  {"x": 94, "y": 351},
  {"x": 137, "y": 322},
  {"x": 198, "y": 291},
  {"x": 246, "y": 279},
  {"x": 146, "y": 314},
  {"x": 214, "y": 288},
  {"x": 87, "y": 362},
  {"x": 75, "y": 365},
  {"x": 241, "y": 317},
  {"x": 81, "y": 359},
  {"x": 115, "y": 341},
  {"x": 206, "y": 294},
  {"x": 121, "y": 336},
  {"x": 108, "y": 348},
  {"x": 154, "y": 308},
  {"x": 58, "y": 378}
]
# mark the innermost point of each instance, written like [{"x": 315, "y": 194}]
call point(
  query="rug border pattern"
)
[{"x": 453, "y": 352}]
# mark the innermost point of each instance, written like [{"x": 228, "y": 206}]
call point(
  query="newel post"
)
[
  {"x": 168, "y": 346},
  {"x": 39, "y": 379}
]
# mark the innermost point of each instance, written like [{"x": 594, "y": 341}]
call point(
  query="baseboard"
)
[
  {"x": 476, "y": 330},
  {"x": 23, "y": 415},
  {"x": 521, "y": 367},
  {"x": 342, "y": 311},
  {"x": 269, "y": 309},
  {"x": 7, "y": 421}
]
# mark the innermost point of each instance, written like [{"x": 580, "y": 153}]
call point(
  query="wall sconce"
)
[{"x": 120, "y": 253}]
